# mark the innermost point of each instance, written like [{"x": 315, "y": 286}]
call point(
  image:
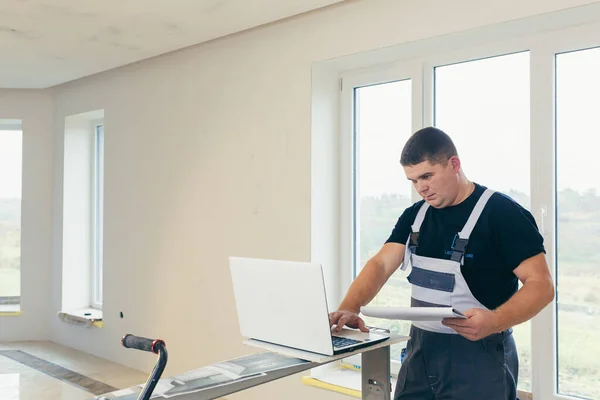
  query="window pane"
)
[
  {"x": 10, "y": 216},
  {"x": 578, "y": 223},
  {"x": 484, "y": 106},
  {"x": 383, "y": 124},
  {"x": 99, "y": 204}
]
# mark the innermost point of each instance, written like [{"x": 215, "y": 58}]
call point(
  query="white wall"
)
[
  {"x": 208, "y": 155},
  {"x": 34, "y": 108}
]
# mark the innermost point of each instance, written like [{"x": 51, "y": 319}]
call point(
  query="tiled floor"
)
[{"x": 45, "y": 370}]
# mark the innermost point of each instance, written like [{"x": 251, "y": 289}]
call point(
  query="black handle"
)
[
  {"x": 156, "y": 346},
  {"x": 141, "y": 343}
]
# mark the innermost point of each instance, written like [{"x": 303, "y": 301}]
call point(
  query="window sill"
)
[
  {"x": 10, "y": 310},
  {"x": 339, "y": 378},
  {"x": 88, "y": 317}
]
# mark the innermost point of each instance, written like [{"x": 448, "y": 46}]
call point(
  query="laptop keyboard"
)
[{"x": 342, "y": 342}]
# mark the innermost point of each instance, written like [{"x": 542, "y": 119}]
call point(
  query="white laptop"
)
[{"x": 284, "y": 303}]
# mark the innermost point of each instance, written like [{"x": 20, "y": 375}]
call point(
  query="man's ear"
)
[{"x": 455, "y": 162}]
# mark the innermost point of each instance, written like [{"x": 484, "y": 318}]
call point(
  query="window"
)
[
  {"x": 83, "y": 199},
  {"x": 521, "y": 109},
  {"x": 98, "y": 202},
  {"x": 482, "y": 114},
  {"x": 383, "y": 122},
  {"x": 578, "y": 223},
  {"x": 11, "y": 143}
]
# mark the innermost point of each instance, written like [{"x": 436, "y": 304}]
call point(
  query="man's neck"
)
[{"x": 466, "y": 188}]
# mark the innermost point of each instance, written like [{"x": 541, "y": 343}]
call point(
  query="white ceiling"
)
[{"x": 47, "y": 42}]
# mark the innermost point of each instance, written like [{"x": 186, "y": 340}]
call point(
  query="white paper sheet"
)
[
  {"x": 412, "y": 313},
  {"x": 122, "y": 392}
]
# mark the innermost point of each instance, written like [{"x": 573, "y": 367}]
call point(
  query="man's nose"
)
[{"x": 421, "y": 187}]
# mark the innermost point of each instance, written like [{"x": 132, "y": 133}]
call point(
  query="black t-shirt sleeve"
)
[
  {"x": 402, "y": 229},
  {"x": 516, "y": 232}
]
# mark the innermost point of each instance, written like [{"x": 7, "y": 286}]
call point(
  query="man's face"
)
[{"x": 437, "y": 184}]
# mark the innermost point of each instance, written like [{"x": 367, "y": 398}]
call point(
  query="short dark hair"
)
[{"x": 428, "y": 144}]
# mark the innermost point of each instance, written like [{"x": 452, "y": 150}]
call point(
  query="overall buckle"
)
[
  {"x": 414, "y": 241},
  {"x": 458, "y": 249}
]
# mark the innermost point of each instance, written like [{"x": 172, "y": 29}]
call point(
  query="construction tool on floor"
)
[{"x": 155, "y": 346}]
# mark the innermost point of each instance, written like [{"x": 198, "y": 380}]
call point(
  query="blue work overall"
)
[{"x": 440, "y": 363}]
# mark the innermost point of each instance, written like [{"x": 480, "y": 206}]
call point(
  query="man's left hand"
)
[{"x": 478, "y": 324}]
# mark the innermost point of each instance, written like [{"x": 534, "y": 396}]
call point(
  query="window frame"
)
[
  {"x": 15, "y": 125},
  {"x": 97, "y": 182},
  {"x": 387, "y": 73},
  {"x": 543, "y": 48}
]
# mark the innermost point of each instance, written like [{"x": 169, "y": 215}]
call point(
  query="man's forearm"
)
[
  {"x": 365, "y": 287},
  {"x": 525, "y": 304}
]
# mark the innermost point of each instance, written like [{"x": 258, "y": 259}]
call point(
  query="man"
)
[{"x": 467, "y": 247}]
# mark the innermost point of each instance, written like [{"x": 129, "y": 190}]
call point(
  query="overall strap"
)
[
  {"x": 413, "y": 238},
  {"x": 460, "y": 244},
  {"x": 416, "y": 226}
]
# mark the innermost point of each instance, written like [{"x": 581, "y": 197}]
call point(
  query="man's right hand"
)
[{"x": 340, "y": 318}]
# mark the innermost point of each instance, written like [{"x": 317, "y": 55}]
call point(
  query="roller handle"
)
[{"x": 141, "y": 343}]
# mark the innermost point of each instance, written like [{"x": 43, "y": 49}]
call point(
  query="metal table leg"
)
[{"x": 375, "y": 375}]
